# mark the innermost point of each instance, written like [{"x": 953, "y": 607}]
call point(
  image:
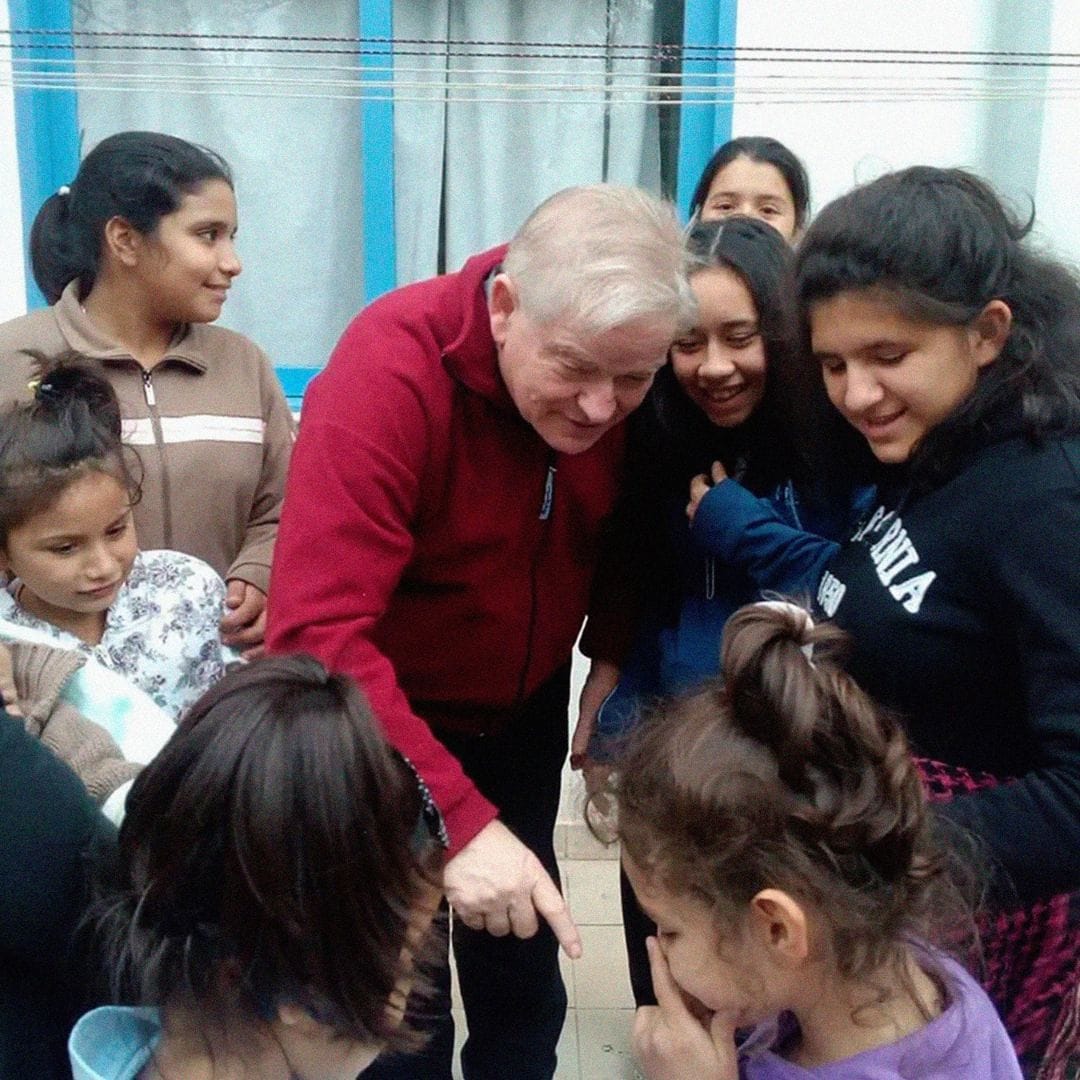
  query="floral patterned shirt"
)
[{"x": 161, "y": 632}]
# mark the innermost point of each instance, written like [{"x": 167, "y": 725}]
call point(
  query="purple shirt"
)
[{"x": 965, "y": 1042}]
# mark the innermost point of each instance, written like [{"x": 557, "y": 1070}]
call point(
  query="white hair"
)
[{"x": 601, "y": 255}]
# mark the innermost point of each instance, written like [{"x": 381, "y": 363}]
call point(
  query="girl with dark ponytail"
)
[
  {"x": 774, "y": 825},
  {"x": 77, "y": 579},
  {"x": 136, "y": 258}
]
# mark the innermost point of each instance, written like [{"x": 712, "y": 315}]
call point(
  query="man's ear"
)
[
  {"x": 123, "y": 241},
  {"x": 990, "y": 331},
  {"x": 781, "y": 925},
  {"x": 502, "y": 303}
]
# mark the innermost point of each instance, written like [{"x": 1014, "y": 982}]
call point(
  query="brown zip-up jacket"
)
[{"x": 210, "y": 424}]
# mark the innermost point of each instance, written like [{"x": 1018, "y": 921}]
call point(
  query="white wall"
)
[
  {"x": 1059, "y": 161},
  {"x": 1026, "y": 147},
  {"x": 12, "y": 279},
  {"x": 845, "y": 142}
]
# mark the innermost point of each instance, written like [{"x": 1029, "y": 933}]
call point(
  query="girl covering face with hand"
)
[
  {"x": 137, "y": 258},
  {"x": 774, "y": 826}
]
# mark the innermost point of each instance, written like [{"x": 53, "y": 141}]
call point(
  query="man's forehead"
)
[{"x": 633, "y": 344}]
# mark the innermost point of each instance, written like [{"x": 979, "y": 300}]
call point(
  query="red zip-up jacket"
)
[{"x": 431, "y": 544}]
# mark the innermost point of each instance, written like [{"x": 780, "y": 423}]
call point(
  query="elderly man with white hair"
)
[{"x": 456, "y": 464}]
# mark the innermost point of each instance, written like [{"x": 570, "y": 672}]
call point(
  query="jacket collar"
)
[
  {"x": 84, "y": 337},
  {"x": 471, "y": 358}
]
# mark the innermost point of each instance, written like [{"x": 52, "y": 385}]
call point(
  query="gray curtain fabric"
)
[
  {"x": 296, "y": 160},
  {"x": 513, "y": 129}
]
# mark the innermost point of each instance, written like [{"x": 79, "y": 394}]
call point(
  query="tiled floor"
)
[{"x": 595, "y": 1043}]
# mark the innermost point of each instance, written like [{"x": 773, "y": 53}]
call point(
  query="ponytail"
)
[
  {"x": 848, "y": 766},
  {"x": 56, "y": 255}
]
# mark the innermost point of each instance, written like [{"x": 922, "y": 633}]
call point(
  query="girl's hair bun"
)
[
  {"x": 70, "y": 386},
  {"x": 771, "y": 683}
]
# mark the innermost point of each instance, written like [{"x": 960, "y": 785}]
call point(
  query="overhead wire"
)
[{"x": 461, "y": 70}]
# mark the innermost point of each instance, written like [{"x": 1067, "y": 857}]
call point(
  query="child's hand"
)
[
  {"x": 671, "y": 1043},
  {"x": 7, "y": 683},
  {"x": 601, "y": 680},
  {"x": 702, "y": 484},
  {"x": 244, "y": 623}
]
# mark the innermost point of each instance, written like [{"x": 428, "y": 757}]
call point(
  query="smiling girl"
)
[
  {"x": 68, "y": 545},
  {"x": 719, "y": 408},
  {"x": 952, "y": 347},
  {"x": 137, "y": 257}
]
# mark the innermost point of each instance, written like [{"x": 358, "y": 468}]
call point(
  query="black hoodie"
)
[{"x": 963, "y": 601}]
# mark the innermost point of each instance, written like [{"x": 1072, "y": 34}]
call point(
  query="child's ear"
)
[
  {"x": 990, "y": 331},
  {"x": 781, "y": 925}
]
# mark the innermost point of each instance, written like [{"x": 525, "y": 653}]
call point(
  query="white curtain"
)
[
  {"x": 469, "y": 167},
  {"x": 296, "y": 160}
]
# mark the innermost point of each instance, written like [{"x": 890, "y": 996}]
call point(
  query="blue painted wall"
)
[
  {"x": 377, "y": 141},
  {"x": 708, "y": 69},
  {"x": 46, "y": 121}
]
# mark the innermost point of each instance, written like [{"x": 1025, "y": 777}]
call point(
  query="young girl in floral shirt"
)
[{"x": 68, "y": 545}]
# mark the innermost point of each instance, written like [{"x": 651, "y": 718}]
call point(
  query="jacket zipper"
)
[
  {"x": 549, "y": 492},
  {"x": 159, "y": 442},
  {"x": 547, "y": 502}
]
